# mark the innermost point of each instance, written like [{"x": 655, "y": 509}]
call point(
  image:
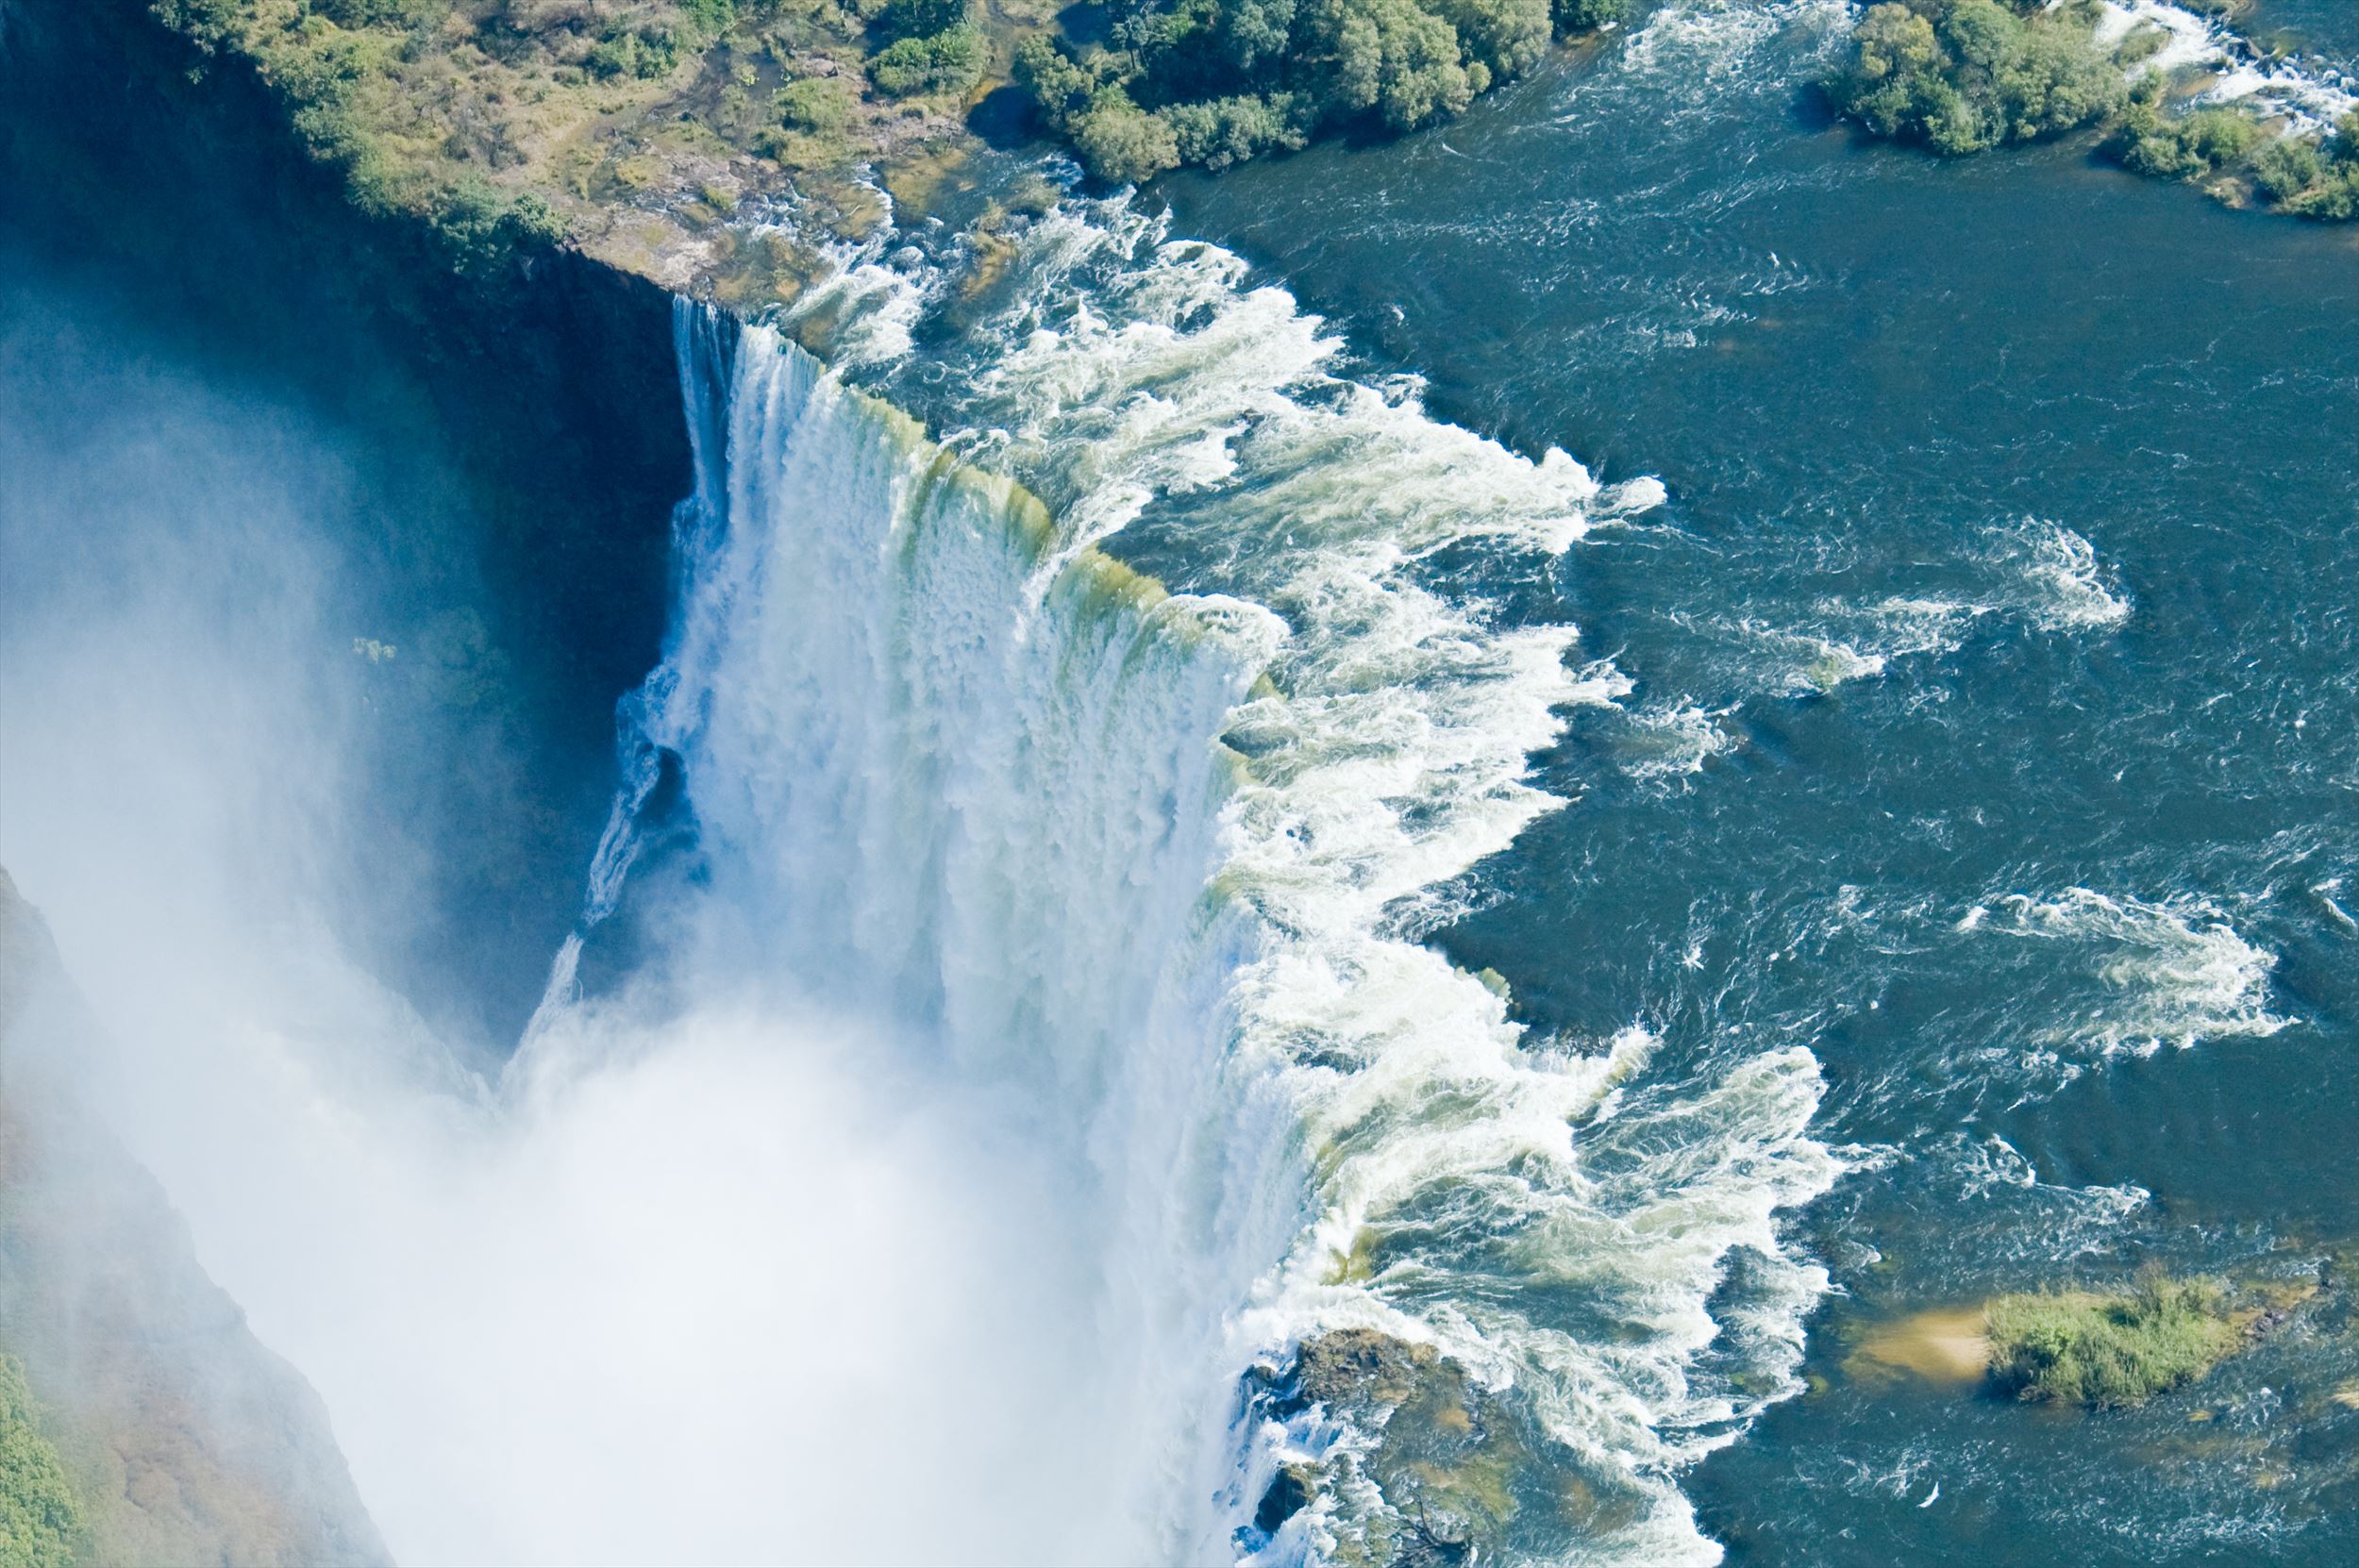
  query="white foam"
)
[
  {"x": 1269, "y": 1080},
  {"x": 2176, "y": 971},
  {"x": 2069, "y": 590},
  {"x": 1852, "y": 642},
  {"x": 2306, "y": 97},
  {"x": 1674, "y": 741},
  {"x": 1696, "y": 49}
]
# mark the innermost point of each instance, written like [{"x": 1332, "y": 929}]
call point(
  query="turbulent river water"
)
[{"x": 1838, "y": 799}]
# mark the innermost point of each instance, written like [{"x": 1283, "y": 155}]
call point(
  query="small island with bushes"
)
[
  {"x": 2106, "y": 1351},
  {"x": 2086, "y": 1346},
  {"x": 1961, "y": 76}
]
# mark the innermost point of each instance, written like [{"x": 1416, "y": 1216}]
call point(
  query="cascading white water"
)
[
  {"x": 955, "y": 778},
  {"x": 951, "y": 765},
  {"x": 1032, "y": 1032}
]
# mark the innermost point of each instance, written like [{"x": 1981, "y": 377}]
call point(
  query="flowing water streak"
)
[
  {"x": 946, "y": 754},
  {"x": 2305, "y": 95}
]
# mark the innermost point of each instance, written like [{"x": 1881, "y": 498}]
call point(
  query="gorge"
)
[{"x": 1023, "y": 904}]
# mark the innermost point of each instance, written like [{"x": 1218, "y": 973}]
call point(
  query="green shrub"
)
[
  {"x": 383, "y": 14},
  {"x": 1229, "y": 130},
  {"x": 899, "y": 19},
  {"x": 2142, "y": 42},
  {"x": 2343, "y": 146},
  {"x": 483, "y": 229},
  {"x": 2286, "y": 167},
  {"x": 1586, "y": 16},
  {"x": 951, "y": 61},
  {"x": 1213, "y": 82},
  {"x": 643, "y": 52},
  {"x": 2333, "y": 199},
  {"x": 2188, "y": 147},
  {"x": 2109, "y": 1350},
  {"x": 819, "y": 104},
  {"x": 1122, "y": 142},
  {"x": 708, "y": 20},
  {"x": 39, "y": 1517},
  {"x": 1059, "y": 85},
  {"x": 1506, "y": 38}
]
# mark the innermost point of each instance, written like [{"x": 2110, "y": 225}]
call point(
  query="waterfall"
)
[
  {"x": 951, "y": 773},
  {"x": 1153, "y": 867}
]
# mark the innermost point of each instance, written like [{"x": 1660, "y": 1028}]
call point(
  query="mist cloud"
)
[{"x": 714, "y": 1281}]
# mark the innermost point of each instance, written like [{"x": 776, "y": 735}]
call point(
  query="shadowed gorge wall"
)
[{"x": 519, "y": 435}]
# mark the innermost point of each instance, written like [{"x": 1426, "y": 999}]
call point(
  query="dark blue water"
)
[
  {"x": 1992, "y": 734},
  {"x": 1994, "y": 731}
]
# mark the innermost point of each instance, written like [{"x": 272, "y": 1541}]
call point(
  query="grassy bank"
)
[{"x": 628, "y": 127}]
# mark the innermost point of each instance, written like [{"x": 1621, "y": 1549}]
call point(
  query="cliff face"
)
[
  {"x": 184, "y": 1439},
  {"x": 547, "y": 392},
  {"x": 132, "y": 164}
]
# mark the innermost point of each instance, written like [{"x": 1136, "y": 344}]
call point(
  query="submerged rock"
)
[{"x": 1945, "y": 1345}]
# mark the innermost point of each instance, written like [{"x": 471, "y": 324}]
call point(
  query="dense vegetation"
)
[
  {"x": 2110, "y": 1350},
  {"x": 2309, "y": 176},
  {"x": 1213, "y": 82},
  {"x": 41, "y": 1522},
  {"x": 925, "y": 46},
  {"x": 1961, "y": 76}
]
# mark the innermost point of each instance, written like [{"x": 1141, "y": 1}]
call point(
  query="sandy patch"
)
[{"x": 1944, "y": 1345}]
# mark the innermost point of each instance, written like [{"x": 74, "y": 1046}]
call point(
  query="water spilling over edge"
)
[{"x": 1168, "y": 859}]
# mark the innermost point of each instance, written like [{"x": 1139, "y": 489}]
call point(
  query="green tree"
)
[
  {"x": 1392, "y": 57},
  {"x": 900, "y": 19},
  {"x": 1230, "y": 79},
  {"x": 39, "y": 1517},
  {"x": 1964, "y": 76},
  {"x": 950, "y": 62},
  {"x": 1122, "y": 142},
  {"x": 2286, "y": 167}
]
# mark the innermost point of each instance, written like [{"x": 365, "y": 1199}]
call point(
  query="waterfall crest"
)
[{"x": 1159, "y": 864}]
